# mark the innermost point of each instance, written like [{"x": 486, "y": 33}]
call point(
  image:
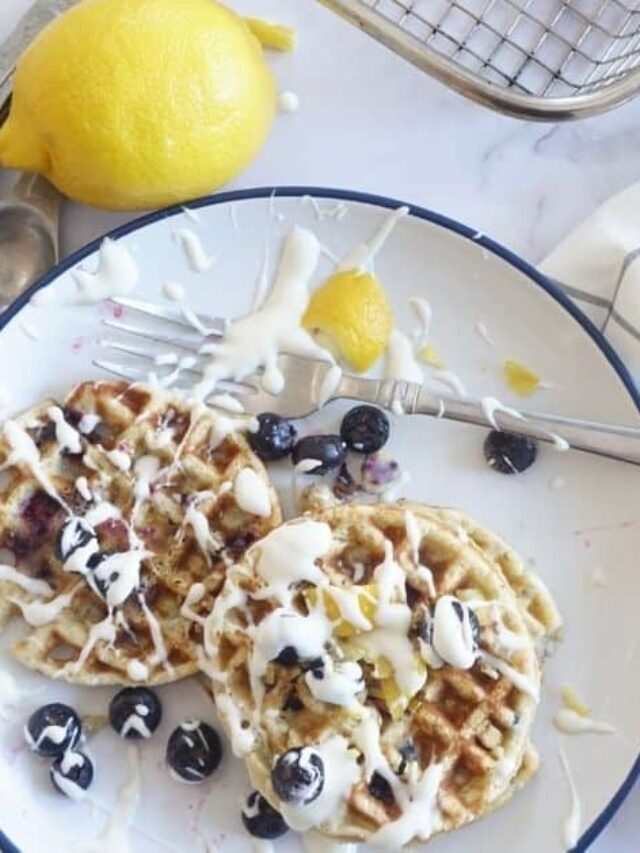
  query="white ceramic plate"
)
[{"x": 591, "y": 523}]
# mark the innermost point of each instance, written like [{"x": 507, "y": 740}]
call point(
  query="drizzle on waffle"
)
[{"x": 378, "y": 668}]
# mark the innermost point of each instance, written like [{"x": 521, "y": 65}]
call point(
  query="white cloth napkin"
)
[{"x": 599, "y": 266}]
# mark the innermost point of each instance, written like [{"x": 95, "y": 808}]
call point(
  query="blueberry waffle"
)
[
  {"x": 378, "y": 668},
  {"x": 121, "y": 510}
]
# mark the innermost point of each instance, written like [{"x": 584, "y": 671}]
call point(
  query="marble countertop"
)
[{"x": 369, "y": 121}]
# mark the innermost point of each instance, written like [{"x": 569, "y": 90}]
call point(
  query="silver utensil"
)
[
  {"x": 163, "y": 329},
  {"x": 534, "y": 59},
  {"x": 29, "y": 213},
  {"x": 28, "y": 235}
]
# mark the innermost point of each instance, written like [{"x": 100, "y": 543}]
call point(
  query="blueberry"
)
[
  {"x": 379, "y": 471},
  {"x": 287, "y": 657},
  {"x": 459, "y": 609},
  {"x": 53, "y": 729},
  {"x": 38, "y": 512},
  {"x": 509, "y": 453},
  {"x": 329, "y": 450},
  {"x": 194, "y": 751},
  {"x": 408, "y": 753},
  {"x": 365, "y": 429},
  {"x": 135, "y": 712},
  {"x": 298, "y": 775},
  {"x": 260, "y": 818},
  {"x": 72, "y": 774},
  {"x": 274, "y": 438},
  {"x": 77, "y": 538},
  {"x": 293, "y": 703},
  {"x": 381, "y": 789}
]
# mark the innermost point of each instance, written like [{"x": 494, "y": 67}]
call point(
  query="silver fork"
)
[{"x": 160, "y": 329}]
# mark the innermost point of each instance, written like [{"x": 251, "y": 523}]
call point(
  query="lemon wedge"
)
[
  {"x": 351, "y": 314},
  {"x": 130, "y": 104}
]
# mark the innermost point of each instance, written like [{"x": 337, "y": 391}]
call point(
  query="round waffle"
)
[
  {"x": 121, "y": 510},
  {"x": 377, "y": 671}
]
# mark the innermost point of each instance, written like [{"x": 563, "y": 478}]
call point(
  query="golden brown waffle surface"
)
[
  {"x": 155, "y": 476},
  {"x": 411, "y": 743}
]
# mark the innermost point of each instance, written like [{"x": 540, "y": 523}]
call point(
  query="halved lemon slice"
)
[{"x": 350, "y": 313}]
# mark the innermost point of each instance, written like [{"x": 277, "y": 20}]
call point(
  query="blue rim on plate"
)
[{"x": 590, "y": 835}]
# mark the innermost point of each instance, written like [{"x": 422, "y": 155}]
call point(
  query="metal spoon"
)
[{"x": 28, "y": 235}]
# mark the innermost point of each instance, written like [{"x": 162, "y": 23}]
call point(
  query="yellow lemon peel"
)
[
  {"x": 520, "y": 379},
  {"x": 351, "y": 310},
  {"x": 274, "y": 36},
  {"x": 176, "y": 100}
]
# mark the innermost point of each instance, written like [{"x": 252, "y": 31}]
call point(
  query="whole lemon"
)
[{"x": 130, "y": 104}]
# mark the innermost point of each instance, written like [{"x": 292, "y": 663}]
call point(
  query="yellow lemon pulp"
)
[
  {"x": 129, "y": 104},
  {"x": 520, "y": 378},
  {"x": 343, "y": 628},
  {"x": 351, "y": 310},
  {"x": 430, "y": 355},
  {"x": 570, "y": 699},
  {"x": 367, "y": 595}
]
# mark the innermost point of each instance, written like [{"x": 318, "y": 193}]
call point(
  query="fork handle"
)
[{"x": 615, "y": 442}]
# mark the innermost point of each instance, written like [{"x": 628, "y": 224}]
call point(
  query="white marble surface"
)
[{"x": 371, "y": 122}]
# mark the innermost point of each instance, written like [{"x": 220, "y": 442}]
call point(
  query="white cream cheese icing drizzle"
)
[
  {"x": 401, "y": 363},
  {"x": 24, "y": 449},
  {"x": 174, "y": 291},
  {"x": 362, "y": 255},
  {"x": 39, "y": 613},
  {"x": 518, "y": 679},
  {"x": 284, "y": 628},
  {"x": 490, "y": 405},
  {"x": 341, "y": 773},
  {"x": 571, "y": 824},
  {"x": 423, "y": 312},
  {"x": 252, "y": 493},
  {"x": 69, "y": 760},
  {"x": 115, "y": 836},
  {"x": 104, "y": 631},
  {"x": 194, "y": 596},
  {"x": 34, "y": 586},
  {"x": 572, "y": 723},
  {"x": 199, "y": 523},
  {"x": 336, "y": 683},
  {"x": 83, "y": 489},
  {"x": 452, "y": 634},
  {"x": 288, "y": 102},
  {"x": 287, "y": 555},
  {"x": 191, "y": 244},
  {"x": 66, "y": 436},
  {"x": 413, "y": 535},
  {"x": 137, "y": 670},
  {"x": 420, "y": 811},
  {"x": 255, "y": 341},
  {"x": 159, "y": 655},
  {"x": 117, "y": 274}
]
